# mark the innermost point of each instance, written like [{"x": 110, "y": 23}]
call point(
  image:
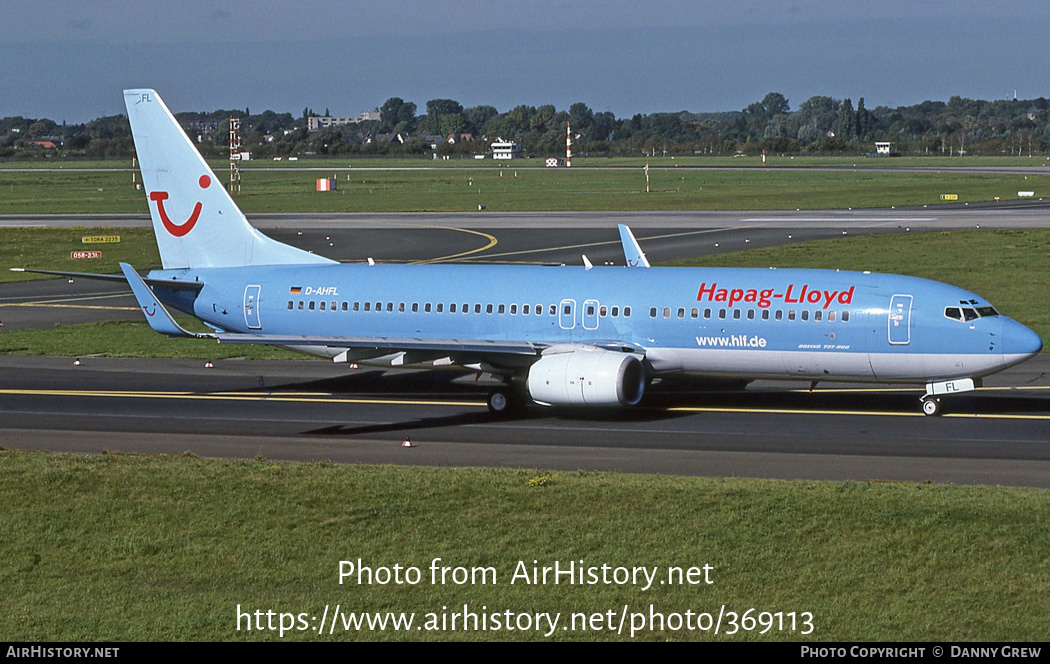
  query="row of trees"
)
[
  {"x": 820, "y": 124},
  {"x": 960, "y": 126}
]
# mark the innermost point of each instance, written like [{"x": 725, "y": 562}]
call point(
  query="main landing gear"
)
[
  {"x": 499, "y": 403},
  {"x": 504, "y": 403}
]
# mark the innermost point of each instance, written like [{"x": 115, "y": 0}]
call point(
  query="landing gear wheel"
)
[
  {"x": 500, "y": 404},
  {"x": 931, "y": 406}
]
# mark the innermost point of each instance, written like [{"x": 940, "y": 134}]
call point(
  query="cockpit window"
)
[{"x": 967, "y": 314}]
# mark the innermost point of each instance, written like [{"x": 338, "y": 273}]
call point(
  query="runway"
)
[{"x": 316, "y": 411}]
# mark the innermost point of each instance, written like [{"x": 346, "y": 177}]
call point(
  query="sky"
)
[{"x": 68, "y": 60}]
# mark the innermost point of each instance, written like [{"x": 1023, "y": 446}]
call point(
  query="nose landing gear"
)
[
  {"x": 932, "y": 406},
  {"x": 931, "y": 401}
]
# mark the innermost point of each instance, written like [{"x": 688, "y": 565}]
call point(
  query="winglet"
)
[
  {"x": 156, "y": 315},
  {"x": 631, "y": 251}
]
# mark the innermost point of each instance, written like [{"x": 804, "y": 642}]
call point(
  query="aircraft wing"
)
[
  {"x": 525, "y": 348},
  {"x": 493, "y": 356},
  {"x": 473, "y": 346}
]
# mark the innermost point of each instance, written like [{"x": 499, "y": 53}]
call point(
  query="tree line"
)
[{"x": 819, "y": 125}]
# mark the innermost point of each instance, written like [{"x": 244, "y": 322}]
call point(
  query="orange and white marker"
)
[{"x": 568, "y": 145}]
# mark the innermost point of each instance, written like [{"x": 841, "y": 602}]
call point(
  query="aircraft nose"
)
[{"x": 1019, "y": 343}]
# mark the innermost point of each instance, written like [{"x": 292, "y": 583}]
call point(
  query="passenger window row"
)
[
  {"x": 454, "y": 307},
  {"x": 751, "y": 314}
]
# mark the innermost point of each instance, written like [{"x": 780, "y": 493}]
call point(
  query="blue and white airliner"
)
[{"x": 556, "y": 336}]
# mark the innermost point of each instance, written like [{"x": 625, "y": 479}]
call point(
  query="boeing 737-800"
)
[{"x": 558, "y": 336}]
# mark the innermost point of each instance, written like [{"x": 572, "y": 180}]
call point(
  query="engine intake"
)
[{"x": 587, "y": 376}]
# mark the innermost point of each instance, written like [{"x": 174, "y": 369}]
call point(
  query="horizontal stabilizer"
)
[
  {"x": 173, "y": 284},
  {"x": 156, "y": 315}
]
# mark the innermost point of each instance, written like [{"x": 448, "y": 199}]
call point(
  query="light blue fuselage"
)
[{"x": 806, "y": 324}]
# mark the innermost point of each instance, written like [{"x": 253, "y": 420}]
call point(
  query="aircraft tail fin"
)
[{"x": 196, "y": 222}]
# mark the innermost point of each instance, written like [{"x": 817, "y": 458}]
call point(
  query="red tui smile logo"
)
[{"x": 179, "y": 230}]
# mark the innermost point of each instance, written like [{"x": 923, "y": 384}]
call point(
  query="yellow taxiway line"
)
[
  {"x": 801, "y": 411},
  {"x": 232, "y": 396},
  {"x": 62, "y": 303},
  {"x": 299, "y": 397},
  {"x": 603, "y": 243},
  {"x": 491, "y": 243}
]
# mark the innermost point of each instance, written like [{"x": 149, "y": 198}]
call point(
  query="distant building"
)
[
  {"x": 884, "y": 148},
  {"x": 502, "y": 149},
  {"x": 390, "y": 138},
  {"x": 40, "y": 143},
  {"x": 433, "y": 140},
  {"x": 318, "y": 122},
  {"x": 204, "y": 129}
]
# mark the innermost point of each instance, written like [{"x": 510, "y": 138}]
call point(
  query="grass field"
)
[
  {"x": 639, "y": 161},
  {"x": 131, "y": 339},
  {"x": 526, "y": 188},
  {"x": 118, "y": 547},
  {"x": 51, "y": 249}
]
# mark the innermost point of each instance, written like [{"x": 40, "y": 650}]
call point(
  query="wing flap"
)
[{"x": 472, "y": 346}]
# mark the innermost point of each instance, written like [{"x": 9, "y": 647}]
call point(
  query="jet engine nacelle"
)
[{"x": 587, "y": 376}]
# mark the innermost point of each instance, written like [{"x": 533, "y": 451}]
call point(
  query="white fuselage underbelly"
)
[{"x": 825, "y": 365}]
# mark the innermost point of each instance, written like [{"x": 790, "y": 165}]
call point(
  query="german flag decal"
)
[{"x": 295, "y": 290}]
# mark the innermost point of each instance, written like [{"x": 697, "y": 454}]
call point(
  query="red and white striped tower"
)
[{"x": 568, "y": 145}]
